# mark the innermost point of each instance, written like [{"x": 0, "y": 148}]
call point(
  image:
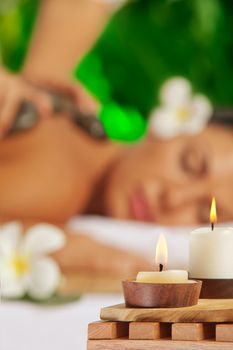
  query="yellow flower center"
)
[
  {"x": 20, "y": 265},
  {"x": 182, "y": 114}
]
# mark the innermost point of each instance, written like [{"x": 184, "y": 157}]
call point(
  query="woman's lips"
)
[{"x": 138, "y": 206}]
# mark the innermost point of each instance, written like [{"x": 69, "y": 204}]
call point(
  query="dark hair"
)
[{"x": 223, "y": 116}]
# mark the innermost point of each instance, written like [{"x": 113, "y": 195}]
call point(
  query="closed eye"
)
[{"x": 194, "y": 161}]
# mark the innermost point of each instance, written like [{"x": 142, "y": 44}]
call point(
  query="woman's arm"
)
[
  {"x": 84, "y": 254},
  {"x": 64, "y": 31}
]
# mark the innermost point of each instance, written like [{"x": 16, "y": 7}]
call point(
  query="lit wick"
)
[
  {"x": 213, "y": 213},
  {"x": 161, "y": 253}
]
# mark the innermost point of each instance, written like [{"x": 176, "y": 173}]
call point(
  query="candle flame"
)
[
  {"x": 213, "y": 212},
  {"x": 161, "y": 255}
]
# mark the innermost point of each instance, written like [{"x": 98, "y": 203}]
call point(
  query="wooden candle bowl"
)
[{"x": 166, "y": 295}]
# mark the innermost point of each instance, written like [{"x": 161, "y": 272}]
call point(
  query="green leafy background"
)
[
  {"x": 145, "y": 43},
  {"x": 17, "y": 18},
  {"x": 149, "y": 41}
]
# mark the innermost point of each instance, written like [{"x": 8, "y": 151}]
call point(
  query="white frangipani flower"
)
[
  {"x": 181, "y": 111},
  {"x": 24, "y": 266}
]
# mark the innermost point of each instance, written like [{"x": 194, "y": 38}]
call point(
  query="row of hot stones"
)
[{"x": 210, "y": 274}]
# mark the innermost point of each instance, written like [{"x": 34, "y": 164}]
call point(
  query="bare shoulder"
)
[{"x": 41, "y": 172}]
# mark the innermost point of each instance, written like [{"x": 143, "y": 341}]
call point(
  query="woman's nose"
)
[{"x": 177, "y": 196}]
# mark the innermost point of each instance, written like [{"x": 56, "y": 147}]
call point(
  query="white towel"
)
[{"x": 137, "y": 237}]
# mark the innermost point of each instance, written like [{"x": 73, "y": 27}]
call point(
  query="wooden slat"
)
[
  {"x": 207, "y": 310},
  {"x": 107, "y": 330},
  {"x": 224, "y": 332},
  {"x": 193, "y": 331},
  {"x": 149, "y": 330},
  {"x": 122, "y": 344}
]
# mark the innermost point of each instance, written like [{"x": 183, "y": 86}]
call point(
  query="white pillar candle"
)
[
  {"x": 167, "y": 276},
  {"x": 211, "y": 253}
]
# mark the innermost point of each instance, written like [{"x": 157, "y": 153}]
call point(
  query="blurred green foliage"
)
[
  {"x": 17, "y": 18},
  {"x": 145, "y": 43},
  {"x": 150, "y": 41}
]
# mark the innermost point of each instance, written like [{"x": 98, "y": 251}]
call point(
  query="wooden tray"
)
[
  {"x": 121, "y": 344},
  {"x": 207, "y": 310},
  {"x": 157, "y": 336}
]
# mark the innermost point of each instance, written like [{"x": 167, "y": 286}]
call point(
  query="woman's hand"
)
[
  {"x": 75, "y": 92},
  {"x": 84, "y": 254},
  {"x": 14, "y": 89}
]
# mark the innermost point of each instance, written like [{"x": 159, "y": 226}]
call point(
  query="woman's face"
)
[{"x": 172, "y": 182}]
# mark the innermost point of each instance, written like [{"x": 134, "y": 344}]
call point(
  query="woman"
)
[
  {"x": 55, "y": 180},
  {"x": 61, "y": 171},
  {"x": 123, "y": 200}
]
